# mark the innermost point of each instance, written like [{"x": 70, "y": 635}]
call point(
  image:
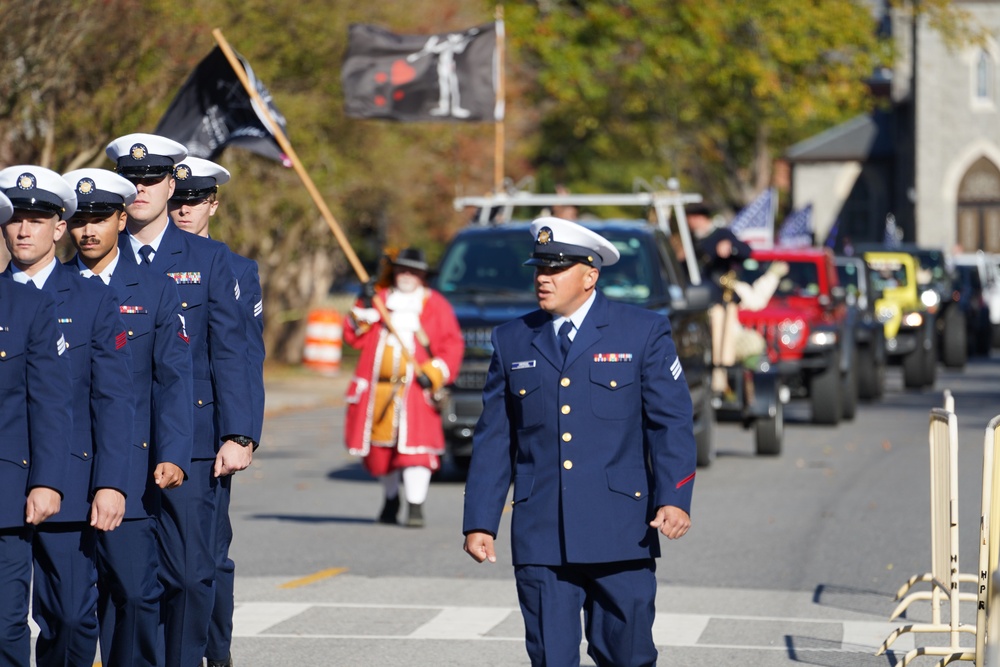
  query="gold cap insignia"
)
[
  {"x": 544, "y": 236},
  {"x": 182, "y": 172},
  {"x": 138, "y": 152},
  {"x": 85, "y": 186},
  {"x": 26, "y": 181}
]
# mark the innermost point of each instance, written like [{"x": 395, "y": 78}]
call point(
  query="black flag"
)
[
  {"x": 212, "y": 110},
  {"x": 445, "y": 77}
]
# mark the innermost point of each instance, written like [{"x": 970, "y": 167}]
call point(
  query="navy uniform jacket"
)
[
  {"x": 101, "y": 395},
  {"x": 35, "y": 416},
  {"x": 161, "y": 379},
  {"x": 252, "y": 300},
  {"x": 215, "y": 326},
  {"x": 592, "y": 448}
]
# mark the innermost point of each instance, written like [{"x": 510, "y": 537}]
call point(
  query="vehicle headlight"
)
[
  {"x": 913, "y": 319},
  {"x": 884, "y": 314},
  {"x": 790, "y": 332},
  {"x": 823, "y": 338},
  {"x": 930, "y": 298}
]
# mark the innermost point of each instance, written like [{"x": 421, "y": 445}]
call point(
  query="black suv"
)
[{"x": 483, "y": 277}]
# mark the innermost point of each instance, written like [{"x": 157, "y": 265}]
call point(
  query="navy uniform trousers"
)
[
  {"x": 215, "y": 326},
  {"x": 220, "y": 630},
  {"x": 129, "y": 589},
  {"x": 65, "y": 570},
  {"x": 34, "y": 450},
  {"x": 593, "y": 444}
]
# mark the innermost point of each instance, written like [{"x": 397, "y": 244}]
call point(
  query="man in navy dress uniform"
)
[
  {"x": 65, "y": 570},
  {"x": 129, "y": 596},
  {"x": 194, "y": 203},
  {"x": 36, "y": 419},
  {"x": 215, "y": 325},
  {"x": 586, "y": 410}
]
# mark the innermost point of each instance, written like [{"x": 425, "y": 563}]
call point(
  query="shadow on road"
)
[{"x": 309, "y": 518}]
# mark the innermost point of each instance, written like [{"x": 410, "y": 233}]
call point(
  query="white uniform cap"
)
[
  {"x": 6, "y": 209},
  {"x": 33, "y": 188},
  {"x": 197, "y": 178},
  {"x": 561, "y": 243},
  {"x": 100, "y": 191},
  {"x": 142, "y": 155}
]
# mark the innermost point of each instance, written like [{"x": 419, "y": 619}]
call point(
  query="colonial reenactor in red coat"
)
[{"x": 392, "y": 406}]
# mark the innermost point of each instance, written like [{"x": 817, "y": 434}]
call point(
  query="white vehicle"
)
[{"x": 989, "y": 276}]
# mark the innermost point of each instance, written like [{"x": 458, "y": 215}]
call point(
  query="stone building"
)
[{"x": 931, "y": 159}]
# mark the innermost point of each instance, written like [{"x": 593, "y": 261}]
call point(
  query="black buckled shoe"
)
[
  {"x": 228, "y": 662},
  {"x": 389, "y": 511}
]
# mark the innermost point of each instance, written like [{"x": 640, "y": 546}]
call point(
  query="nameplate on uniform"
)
[
  {"x": 186, "y": 277},
  {"x": 132, "y": 310},
  {"x": 612, "y": 357},
  {"x": 520, "y": 365},
  {"x": 4, "y": 329},
  {"x": 65, "y": 320}
]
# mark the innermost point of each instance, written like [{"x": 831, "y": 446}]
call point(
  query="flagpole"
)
[
  {"x": 324, "y": 210},
  {"x": 498, "y": 123}
]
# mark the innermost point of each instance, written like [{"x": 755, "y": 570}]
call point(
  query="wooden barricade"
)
[
  {"x": 988, "y": 609},
  {"x": 944, "y": 576}
]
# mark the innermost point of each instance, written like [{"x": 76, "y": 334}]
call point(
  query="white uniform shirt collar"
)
[
  {"x": 105, "y": 274},
  {"x": 136, "y": 243},
  {"x": 577, "y": 317},
  {"x": 38, "y": 279}
]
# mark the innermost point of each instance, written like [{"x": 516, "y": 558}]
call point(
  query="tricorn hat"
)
[{"x": 412, "y": 258}]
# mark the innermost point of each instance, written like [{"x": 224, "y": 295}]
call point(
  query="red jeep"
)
[{"x": 805, "y": 328}]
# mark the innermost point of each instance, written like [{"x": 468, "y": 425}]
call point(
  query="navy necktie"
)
[
  {"x": 564, "y": 341},
  {"x": 96, "y": 276},
  {"x": 146, "y": 252}
]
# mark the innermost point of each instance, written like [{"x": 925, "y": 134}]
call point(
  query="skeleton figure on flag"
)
[{"x": 450, "y": 101}]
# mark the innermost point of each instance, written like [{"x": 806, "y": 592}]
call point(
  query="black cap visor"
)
[
  {"x": 193, "y": 195},
  {"x": 559, "y": 261},
  {"x": 560, "y": 255},
  {"x": 98, "y": 208},
  {"x": 41, "y": 204},
  {"x": 145, "y": 171}
]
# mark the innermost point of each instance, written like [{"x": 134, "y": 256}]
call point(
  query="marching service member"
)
[
  {"x": 129, "y": 596},
  {"x": 192, "y": 206},
  {"x": 35, "y": 452},
  {"x": 587, "y": 412},
  {"x": 223, "y": 426},
  {"x": 87, "y": 314},
  {"x": 392, "y": 420}
]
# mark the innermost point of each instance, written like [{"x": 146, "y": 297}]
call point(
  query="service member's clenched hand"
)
[
  {"x": 232, "y": 457},
  {"x": 108, "y": 509},
  {"x": 42, "y": 503},
  {"x": 479, "y": 545},
  {"x": 168, "y": 476},
  {"x": 672, "y": 521}
]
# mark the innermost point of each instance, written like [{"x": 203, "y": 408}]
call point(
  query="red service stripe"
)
[
  {"x": 120, "y": 340},
  {"x": 684, "y": 481}
]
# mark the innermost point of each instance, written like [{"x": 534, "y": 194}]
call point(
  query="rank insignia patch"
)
[
  {"x": 675, "y": 368},
  {"x": 183, "y": 332},
  {"x": 120, "y": 340},
  {"x": 132, "y": 310},
  {"x": 186, "y": 277},
  {"x": 61, "y": 344},
  {"x": 612, "y": 357}
]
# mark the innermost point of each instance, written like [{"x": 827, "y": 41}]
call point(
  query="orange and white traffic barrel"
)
[{"x": 324, "y": 341}]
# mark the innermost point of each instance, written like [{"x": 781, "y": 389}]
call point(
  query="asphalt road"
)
[{"x": 791, "y": 560}]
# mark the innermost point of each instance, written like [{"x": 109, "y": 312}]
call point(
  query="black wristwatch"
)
[{"x": 244, "y": 440}]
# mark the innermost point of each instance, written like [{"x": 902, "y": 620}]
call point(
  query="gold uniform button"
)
[
  {"x": 24, "y": 462},
  {"x": 613, "y": 384},
  {"x": 564, "y": 382},
  {"x": 638, "y": 494},
  {"x": 3, "y": 355},
  {"x": 522, "y": 392},
  {"x": 568, "y": 464},
  {"x": 199, "y": 402},
  {"x": 567, "y": 437},
  {"x": 85, "y": 455},
  {"x": 184, "y": 305},
  {"x": 145, "y": 444},
  {"x": 565, "y": 409},
  {"x": 131, "y": 333}
]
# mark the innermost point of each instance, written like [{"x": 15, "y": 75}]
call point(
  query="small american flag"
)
[
  {"x": 893, "y": 235},
  {"x": 758, "y": 214},
  {"x": 797, "y": 230}
]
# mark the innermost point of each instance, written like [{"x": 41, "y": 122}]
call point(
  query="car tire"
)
[
  {"x": 995, "y": 335},
  {"x": 930, "y": 359},
  {"x": 770, "y": 431},
  {"x": 824, "y": 394},
  {"x": 871, "y": 374},
  {"x": 705, "y": 437},
  {"x": 954, "y": 344},
  {"x": 849, "y": 389},
  {"x": 913, "y": 368}
]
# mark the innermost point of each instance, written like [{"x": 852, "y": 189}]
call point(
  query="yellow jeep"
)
[{"x": 909, "y": 326}]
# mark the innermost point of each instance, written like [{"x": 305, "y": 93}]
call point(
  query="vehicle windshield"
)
[
  {"x": 802, "y": 278},
  {"x": 932, "y": 266},
  {"x": 849, "y": 277},
  {"x": 493, "y": 263},
  {"x": 887, "y": 274}
]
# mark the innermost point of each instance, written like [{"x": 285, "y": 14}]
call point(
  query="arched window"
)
[
  {"x": 978, "y": 215},
  {"x": 984, "y": 76}
]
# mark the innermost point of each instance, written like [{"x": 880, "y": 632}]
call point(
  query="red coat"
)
[{"x": 419, "y": 430}]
